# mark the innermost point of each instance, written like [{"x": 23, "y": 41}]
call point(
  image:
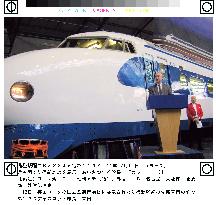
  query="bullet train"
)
[{"x": 94, "y": 86}]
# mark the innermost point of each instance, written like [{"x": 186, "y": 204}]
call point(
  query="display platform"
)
[{"x": 150, "y": 152}]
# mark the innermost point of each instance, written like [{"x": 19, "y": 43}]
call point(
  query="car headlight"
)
[{"x": 21, "y": 91}]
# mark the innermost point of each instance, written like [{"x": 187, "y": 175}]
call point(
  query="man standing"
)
[
  {"x": 195, "y": 114},
  {"x": 159, "y": 88}
]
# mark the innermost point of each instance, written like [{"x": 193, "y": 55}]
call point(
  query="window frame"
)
[
  {"x": 126, "y": 43},
  {"x": 166, "y": 64},
  {"x": 199, "y": 79},
  {"x": 210, "y": 82},
  {"x": 187, "y": 79}
]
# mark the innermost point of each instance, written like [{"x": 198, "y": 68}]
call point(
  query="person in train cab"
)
[
  {"x": 159, "y": 88},
  {"x": 195, "y": 114}
]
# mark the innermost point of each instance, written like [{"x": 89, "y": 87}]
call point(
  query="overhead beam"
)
[
  {"x": 84, "y": 22},
  {"x": 143, "y": 27},
  {"x": 103, "y": 22}
]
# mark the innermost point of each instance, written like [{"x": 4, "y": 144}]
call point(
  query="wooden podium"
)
[{"x": 168, "y": 112}]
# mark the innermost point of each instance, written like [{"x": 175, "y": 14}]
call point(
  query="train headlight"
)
[{"x": 21, "y": 91}]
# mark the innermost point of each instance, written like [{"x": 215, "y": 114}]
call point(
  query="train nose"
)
[{"x": 52, "y": 85}]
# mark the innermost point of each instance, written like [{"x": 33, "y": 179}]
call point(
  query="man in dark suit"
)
[{"x": 159, "y": 88}]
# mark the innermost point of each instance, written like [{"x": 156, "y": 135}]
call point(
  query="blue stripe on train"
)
[{"x": 63, "y": 136}]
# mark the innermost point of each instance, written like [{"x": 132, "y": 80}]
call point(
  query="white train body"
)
[{"x": 80, "y": 85}]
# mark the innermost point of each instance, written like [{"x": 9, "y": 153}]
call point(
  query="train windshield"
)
[
  {"x": 90, "y": 43},
  {"x": 98, "y": 43}
]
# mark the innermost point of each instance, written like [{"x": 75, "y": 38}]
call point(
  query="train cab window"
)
[
  {"x": 98, "y": 43},
  {"x": 149, "y": 71},
  {"x": 183, "y": 81},
  {"x": 90, "y": 43},
  {"x": 114, "y": 44},
  {"x": 129, "y": 48},
  {"x": 163, "y": 70},
  {"x": 197, "y": 86},
  {"x": 210, "y": 87}
]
